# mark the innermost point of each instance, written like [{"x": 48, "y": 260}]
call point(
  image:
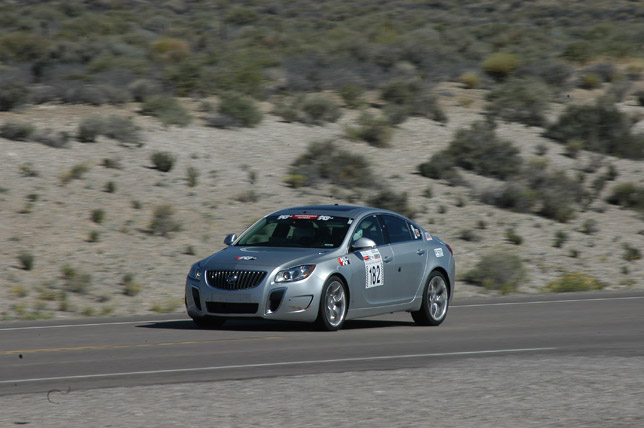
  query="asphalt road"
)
[{"x": 62, "y": 355}]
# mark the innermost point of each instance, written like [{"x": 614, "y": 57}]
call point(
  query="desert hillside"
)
[
  {"x": 241, "y": 176},
  {"x": 135, "y": 135}
]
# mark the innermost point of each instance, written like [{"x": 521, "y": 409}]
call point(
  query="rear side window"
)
[{"x": 397, "y": 229}]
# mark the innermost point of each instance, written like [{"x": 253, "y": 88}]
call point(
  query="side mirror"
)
[
  {"x": 228, "y": 240},
  {"x": 363, "y": 244}
]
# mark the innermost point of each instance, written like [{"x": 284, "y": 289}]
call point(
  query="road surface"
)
[{"x": 536, "y": 347}]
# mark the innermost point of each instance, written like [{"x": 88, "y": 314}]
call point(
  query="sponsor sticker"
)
[
  {"x": 305, "y": 217},
  {"x": 428, "y": 236},
  {"x": 344, "y": 261},
  {"x": 245, "y": 258},
  {"x": 374, "y": 268},
  {"x": 438, "y": 252}
]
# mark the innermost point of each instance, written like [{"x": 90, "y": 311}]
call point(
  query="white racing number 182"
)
[{"x": 374, "y": 272}]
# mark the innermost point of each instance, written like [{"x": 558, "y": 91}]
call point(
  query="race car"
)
[{"x": 324, "y": 264}]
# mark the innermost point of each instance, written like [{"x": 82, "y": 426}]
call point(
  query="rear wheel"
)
[
  {"x": 435, "y": 301},
  {"x": 334, "y": 303},
  {"x": 209, "y": 322}
]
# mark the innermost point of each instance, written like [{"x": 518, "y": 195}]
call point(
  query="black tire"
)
[
  {"x": 334, "y": 304},
  {"x": 435, "y": 301},
  {"x": 209, "y": 322}
]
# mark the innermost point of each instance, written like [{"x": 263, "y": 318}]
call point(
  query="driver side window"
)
[{"x": 369, "y": 228}]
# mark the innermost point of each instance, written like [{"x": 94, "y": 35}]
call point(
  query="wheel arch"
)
[
  {"x": 346, "y": 286},
  {"x": 446, "y": 275},
  {"x": 327, "y": 321}
]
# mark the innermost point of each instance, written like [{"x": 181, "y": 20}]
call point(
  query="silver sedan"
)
[{"x": 324, "y": 265}]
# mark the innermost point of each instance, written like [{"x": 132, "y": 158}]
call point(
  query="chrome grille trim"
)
[{"x": 244, "y": 279}]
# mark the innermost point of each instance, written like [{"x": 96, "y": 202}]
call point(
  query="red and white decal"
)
[
  {"x": 305, "y": 216},
  {"x": 245, "y": 258},
  {"x": 370, "y": 255},
  {"x": 428, "y": 236},
  {"x": 344, "y": 261}
]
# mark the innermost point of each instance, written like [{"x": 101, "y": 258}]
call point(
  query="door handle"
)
[
  {"x": 387, "y": 259},
  {"x": 420, "y": 252}
]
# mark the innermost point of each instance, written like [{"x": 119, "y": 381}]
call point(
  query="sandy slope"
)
[{"x": 56, "y": 228}]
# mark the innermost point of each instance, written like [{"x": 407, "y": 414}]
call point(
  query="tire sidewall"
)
[
  {"x": 322, "y": 320},
  {"x": 427, "y": 304}
]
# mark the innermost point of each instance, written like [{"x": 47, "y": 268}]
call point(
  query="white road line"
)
[
  {"x": 285, "y": 363},
  {"x": 541, "y": 302},
  {"x": 98, "y": 324}
]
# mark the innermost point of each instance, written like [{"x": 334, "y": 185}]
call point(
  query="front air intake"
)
[
  {"x": 196, "y": 298},
  {"x": 231, "y": 308},
  {"x": 275, "y": 299}
]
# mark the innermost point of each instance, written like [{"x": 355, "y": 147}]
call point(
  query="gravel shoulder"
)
[{"x": 475, "y": 392}]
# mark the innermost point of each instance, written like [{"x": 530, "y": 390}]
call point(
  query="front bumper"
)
[{"x": 293, "y": 301}]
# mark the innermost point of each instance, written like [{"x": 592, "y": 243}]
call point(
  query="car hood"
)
[{"x": 264, "y": 258}]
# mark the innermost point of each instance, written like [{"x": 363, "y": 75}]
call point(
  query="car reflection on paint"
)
[{"x": 324, "y": 265}]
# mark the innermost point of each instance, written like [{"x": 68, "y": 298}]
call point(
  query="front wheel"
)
[
  {"x": 334, "y": 303},
  {"x": 435, "y": 301}
]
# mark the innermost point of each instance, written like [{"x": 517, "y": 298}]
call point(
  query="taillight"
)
[{"x": 450, "y": 249}]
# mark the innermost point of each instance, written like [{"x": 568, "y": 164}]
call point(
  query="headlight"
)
[
  {"x": 297, "y": 273},
  {"x": 195, "y": 272}
]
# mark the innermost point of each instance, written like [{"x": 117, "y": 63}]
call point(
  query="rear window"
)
[{"x": 298, "y": 230}]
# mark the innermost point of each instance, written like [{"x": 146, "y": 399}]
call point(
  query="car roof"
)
[{"x": 332, "y": 210}]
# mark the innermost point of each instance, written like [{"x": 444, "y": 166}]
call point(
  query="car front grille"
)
[{"x": 234, "y": 279}]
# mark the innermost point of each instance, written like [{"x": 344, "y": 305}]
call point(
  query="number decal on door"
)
[
  {"x": 375, "y": 276},
  {"x": 374, "y": 272}
]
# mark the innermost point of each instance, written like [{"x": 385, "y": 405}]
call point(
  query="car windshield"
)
[{"x": 299, "y": 230}]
